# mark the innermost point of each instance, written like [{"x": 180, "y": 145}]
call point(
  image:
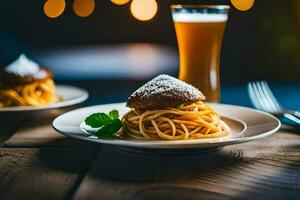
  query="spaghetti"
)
[
  {"x": 187, "y": 121},
  {"x": 37, "y": 93}
]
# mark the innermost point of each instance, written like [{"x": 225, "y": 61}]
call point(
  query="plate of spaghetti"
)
[
  {"x": 166, "y": 114},
  {"x": 25, "y": 86}
]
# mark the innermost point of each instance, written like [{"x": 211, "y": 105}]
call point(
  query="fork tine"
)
[
  {"x": 253, "y": 96},
  {"x": 271, "y": 96},
  {"x": 268, "y": 102},
  {"x": 261, "y": 98},
  {"x": 268, "y": 97},
  {"x": 258, "y": 98}
]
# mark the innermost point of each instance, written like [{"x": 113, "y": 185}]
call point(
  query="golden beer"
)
[{"x": 199, "y": 36}]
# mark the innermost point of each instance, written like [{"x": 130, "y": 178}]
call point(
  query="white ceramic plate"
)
[
  {"x": 246, "y": 124},
  {"x": 70, "y": 96}
]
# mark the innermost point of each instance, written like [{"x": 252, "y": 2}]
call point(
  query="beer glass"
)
[{"x": 199, "y": 30}]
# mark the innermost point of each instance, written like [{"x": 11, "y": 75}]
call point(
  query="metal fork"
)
[{"x": 263, "y": 99}]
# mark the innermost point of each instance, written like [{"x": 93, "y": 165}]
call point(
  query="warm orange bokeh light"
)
[
  {"x": 143, "y": 10},
  {"x": 83, "y": 8},
  {"x": 120, "y": 2},
  {"x": 242, "y": 5},
  {"x": 54, "y": 8}
]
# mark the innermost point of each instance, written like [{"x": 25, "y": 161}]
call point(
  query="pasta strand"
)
[
  {"x": 38, "y": 93},
  {"x": 193, "y": 121}
]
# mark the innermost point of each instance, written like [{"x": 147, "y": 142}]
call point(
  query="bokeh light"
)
[
  {"x": 54, "y": 8},
  {"x": 242, "y": 5},
  {"x": 143, "y": 10},
  {"x": 83, "y": 8},
  {"x": 120, "y": 2}
]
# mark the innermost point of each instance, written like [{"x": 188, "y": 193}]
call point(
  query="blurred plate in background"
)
[{"x": 71, "y": 96}]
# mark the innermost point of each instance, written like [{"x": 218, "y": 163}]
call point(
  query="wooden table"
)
[{"x": 38, "y": 163}]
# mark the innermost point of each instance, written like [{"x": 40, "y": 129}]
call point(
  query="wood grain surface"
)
[
  {"x": 264, "y": 169},
  {"x": 33, "y": 173},
  {"x": 39, "y": 133},
  {"x": 38, "y": 163}
]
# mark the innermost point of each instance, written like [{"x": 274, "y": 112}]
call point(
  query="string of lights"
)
[{"x": 142, "y": 10}]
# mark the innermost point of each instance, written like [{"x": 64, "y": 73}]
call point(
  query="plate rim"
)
[
  {"x": 175, "y": 145},
  {"x": 84, "y": 97}
]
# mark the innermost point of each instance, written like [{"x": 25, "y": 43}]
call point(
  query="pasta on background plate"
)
[{"x": 25, "y": 83}]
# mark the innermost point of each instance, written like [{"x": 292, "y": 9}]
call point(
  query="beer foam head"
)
[{"x": 199, "y": 17}]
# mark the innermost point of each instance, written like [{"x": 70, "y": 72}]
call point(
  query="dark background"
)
[{"x": 262, "y": 43}]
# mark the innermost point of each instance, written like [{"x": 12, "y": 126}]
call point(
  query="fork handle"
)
[
  {"x": 294, "y": 113},
  {"x": 292, "y": 118}
]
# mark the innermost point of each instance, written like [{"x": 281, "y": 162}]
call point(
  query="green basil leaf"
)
[
  {"x": 97, "y": 120},
  {"x": 109, "y": 129},
  {"x": 114, "y": 114}
]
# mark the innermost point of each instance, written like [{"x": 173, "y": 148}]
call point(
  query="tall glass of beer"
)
[{"x": 199, "y": 30}]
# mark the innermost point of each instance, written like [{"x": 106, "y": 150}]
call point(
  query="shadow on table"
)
[
  {"x": 291, "y": 129},
  {"x": 240, "y": 172},
  {"x": 8, "y": 127},
  {"x": 44, "y": 142},
  {"x": 118, "y": 165}
]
